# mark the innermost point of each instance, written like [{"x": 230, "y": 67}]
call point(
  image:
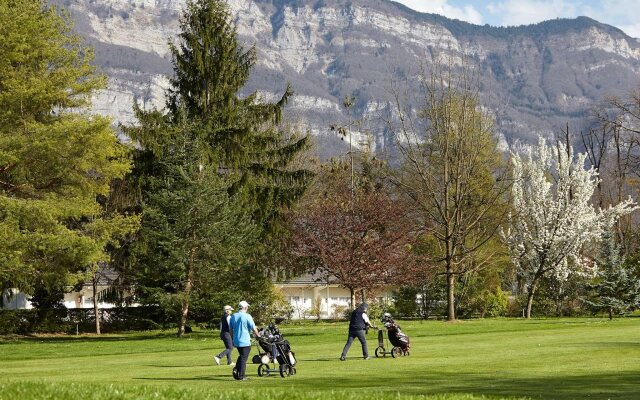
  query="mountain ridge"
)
[{"x": 535, "y": 78}]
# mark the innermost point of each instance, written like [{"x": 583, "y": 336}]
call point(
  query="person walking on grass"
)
[
  {"x": 225, "y": 336},
  {"x": 241, "y": 324},
  {"x": 358, "y": 325}
]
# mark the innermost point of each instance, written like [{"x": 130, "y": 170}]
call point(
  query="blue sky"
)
[{"x": 624, "y": 14}]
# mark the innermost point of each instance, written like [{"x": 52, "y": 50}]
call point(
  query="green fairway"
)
[{"x": 546, "y": 358}]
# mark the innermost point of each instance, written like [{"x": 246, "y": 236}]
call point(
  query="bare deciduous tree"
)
[{"x": 452, "y": 169}]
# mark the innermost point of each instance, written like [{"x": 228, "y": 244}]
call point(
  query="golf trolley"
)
[
  {"x": 274, "y": 349},
  {"x": 396, "y": 339}
]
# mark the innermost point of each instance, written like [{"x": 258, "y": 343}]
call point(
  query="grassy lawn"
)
[{"x": 467, "y": 360}]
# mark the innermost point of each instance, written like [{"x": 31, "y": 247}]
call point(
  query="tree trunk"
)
[
  {"x": 353, "y": 298},
  {"x": 187, "y": 298},
  {"x": 96, "y": 309},
  {"x": 451, "y": 309},
  {"x": 610, "y": 313},
  {"x": 363, "y": 295},
  {"x": 559, "y": 301},
  {"x": 532, "y": 290}
]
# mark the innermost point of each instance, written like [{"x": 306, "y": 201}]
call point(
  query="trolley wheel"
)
[
  {"x": 235, "y": 374},
  {"x": 263, "y": 370},
  {"x": 396, "y": 352},
  {"x": 380, "y": 352},
  {"x": 293, "y": 370},
  {"x": 285, "y": 370}
]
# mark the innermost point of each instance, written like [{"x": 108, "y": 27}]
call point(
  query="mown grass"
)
[{"x": 468, "y": 360}]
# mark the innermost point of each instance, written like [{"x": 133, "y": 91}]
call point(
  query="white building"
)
[
  {"x": 307, "y": 290},
  {"x": 300, "y": 292},
  {"x": 13, "y": 299}
]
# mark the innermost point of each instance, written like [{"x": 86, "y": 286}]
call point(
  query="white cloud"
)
[
  {"x": 631, "y": 30},
  {"x": 620, "y": 13},
  {"x": 466, "y": 13},
  {"x": 525, "y": 12}
]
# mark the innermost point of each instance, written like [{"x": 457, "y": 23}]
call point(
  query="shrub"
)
[
  {"x": 496, "y": 303},
  {"x": 340, "y": 312}
]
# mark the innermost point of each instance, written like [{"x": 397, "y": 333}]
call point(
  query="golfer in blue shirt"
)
[{"x": 241, "y": 324}]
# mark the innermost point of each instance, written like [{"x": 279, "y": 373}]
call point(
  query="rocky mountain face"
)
[{"x": 534, "y": 79}]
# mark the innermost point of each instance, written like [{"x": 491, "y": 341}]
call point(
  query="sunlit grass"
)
[{"x": 541, "y": 358}]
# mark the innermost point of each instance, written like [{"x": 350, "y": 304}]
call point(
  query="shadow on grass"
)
[
  {"x": 193, "y": 378},
  {"x": 184, "y": 366},
  {"x": 325, "y": 359},
  {"x": 624, "y": 385},
  {"x": 299, "y": 334},
  {"x": 127, "y": 337}
]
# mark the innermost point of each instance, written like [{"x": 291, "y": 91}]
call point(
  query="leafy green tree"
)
[
  {"x": 452, "y": 170},
  {"x": 615, "y": 290},
  {"x": 56, "y": 160},
  {"x": 215, "y": 171}
]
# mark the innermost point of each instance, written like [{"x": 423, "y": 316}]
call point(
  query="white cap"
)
[
  {"x": 243, "y": 304},
  {"x": 228, "y": 308}
]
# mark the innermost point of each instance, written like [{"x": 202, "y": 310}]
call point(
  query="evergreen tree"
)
[
  {"x": 55, "y": 159},
  {"x": 215, "y": 168},
  {"x": 615, "y": 290},
  {"x": 192, "y": 229},
  {"x": 243, "y": 134}
]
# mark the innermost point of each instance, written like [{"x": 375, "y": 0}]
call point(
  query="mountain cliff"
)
[{"x": 534, "y": 79}]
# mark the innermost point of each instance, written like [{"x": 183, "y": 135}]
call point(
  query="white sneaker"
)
[
  {"x": 216, "y": 359},
  {"x": 232, "y": 364}
]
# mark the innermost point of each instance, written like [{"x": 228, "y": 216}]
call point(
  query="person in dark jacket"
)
[
  {"x": 225, "y": 336},
  {"x": 358, "y": 326}
]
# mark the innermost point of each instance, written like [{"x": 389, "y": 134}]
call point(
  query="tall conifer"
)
[{"x": 236, "y": 140}]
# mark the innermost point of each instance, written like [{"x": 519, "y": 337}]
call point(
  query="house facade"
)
[
  {"x": 309, "y": 296},
  {"x": 12, "y": 299},
  {"x": 329, "y": 299}
]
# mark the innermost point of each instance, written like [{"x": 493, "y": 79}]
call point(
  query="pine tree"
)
[
  {"x": 614, "y": 290},
  {"x": 55, "y": 158},
  {"x": 236, "y": 142},
  {"x": 243, "y": 134},
  {"x": 192, "y": 228}
]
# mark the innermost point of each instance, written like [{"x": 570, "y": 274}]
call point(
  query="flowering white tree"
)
[{"x": 553, "y": 216}]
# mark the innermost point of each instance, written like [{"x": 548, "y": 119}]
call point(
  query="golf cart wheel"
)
[
  {"x": 380, "y": 352},
  {"x": 293, "y": 370},
  {"x": 263, "y": 370},
  {"x": 285, "y": 370},
  {"x": 235, "y": 374},
  {"x": 396, "y": 352}
]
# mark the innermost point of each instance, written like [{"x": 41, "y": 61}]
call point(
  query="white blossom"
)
[{"x": 553, "y": 217}]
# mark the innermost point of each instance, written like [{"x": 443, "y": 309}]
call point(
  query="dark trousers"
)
[
  {"x": 228, "y": 346},
  {"x": 363, "y": 340},
  {"x": 243, "y": 356}
]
